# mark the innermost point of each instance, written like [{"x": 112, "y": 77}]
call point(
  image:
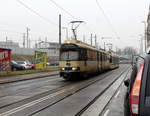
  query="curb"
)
[{"x": 11, "y": 80}]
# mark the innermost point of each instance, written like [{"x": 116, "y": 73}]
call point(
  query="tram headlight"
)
[
  {"x": 63, "y": 69},
  {"x": 74, "y": 68}
]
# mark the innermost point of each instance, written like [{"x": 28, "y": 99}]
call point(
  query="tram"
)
[{"x": 78, "y": 59}]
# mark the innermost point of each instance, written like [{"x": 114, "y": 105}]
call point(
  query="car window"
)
[
  {"x": 139, "y": 62},
  {"x": 135, "y": 69},
  {"x": 20, "y": 62},
  {"x": 14, "y": 62}
]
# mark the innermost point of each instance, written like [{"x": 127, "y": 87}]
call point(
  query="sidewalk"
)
[{"x": 10, "y": 79}]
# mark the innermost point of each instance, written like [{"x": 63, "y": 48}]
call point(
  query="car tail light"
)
[{"x": 135, "y": 93}]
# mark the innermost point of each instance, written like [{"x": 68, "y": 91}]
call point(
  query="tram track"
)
[
  {"x": 72, "y": 93},
  {"x": 14, "y": 89},
  {"x": 36, "y": 112},
  {"x": 79, "y": 86},
  {"x": 34, "y": 97},
  {"x": 28, "y": 100},
  {"x": 101, "y": 93}
]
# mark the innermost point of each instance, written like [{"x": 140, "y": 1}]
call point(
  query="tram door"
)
[
  {"x": 103, "y": 61},
  {"x": 98, "y": 61}
]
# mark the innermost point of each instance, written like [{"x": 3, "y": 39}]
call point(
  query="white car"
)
[{"x": 25, "y": 64}]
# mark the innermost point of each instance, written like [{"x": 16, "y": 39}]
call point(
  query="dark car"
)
[
  {"x": 137, "y": 97},
  {"x": 15, "y": 66}
]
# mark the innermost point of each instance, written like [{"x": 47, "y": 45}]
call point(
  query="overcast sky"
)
[{"x": 124, "y": 15}]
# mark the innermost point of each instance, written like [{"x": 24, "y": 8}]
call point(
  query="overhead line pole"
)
[
  {"x": 95, "y": 40},
  {"x": 91, "y": 38},
  {"x": 28, "y": 42},
  {"x": 59, "y": 29},
  {"x": 24, "y": 40}
]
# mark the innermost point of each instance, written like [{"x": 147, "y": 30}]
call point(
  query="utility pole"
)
[
  {"x": 145, "y": 35},
  {"x": 91, "y": 38},
  {"x": 59, "y": 29},
  {"x": 28, "y": 37},
  {"x": 24, "y": 38},
  {"x": 95, "y": 41}
]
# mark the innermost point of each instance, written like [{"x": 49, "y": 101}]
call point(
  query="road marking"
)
[
  {"x": 117, "y": 94},
  {"x": 12, "y": 111},
  {"x": 107, "y": 112}
]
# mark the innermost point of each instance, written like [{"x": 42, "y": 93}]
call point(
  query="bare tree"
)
[{"x": 129, "y": 51}]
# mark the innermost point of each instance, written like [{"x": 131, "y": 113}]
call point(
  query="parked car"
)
[
  {"x": 52, "y": 63},
  {"x": 31, "y": 64},
  {"x": 137, "y": 97},
  {"x": 25, "y": 64},
  {"x": 15, "y": 66}
]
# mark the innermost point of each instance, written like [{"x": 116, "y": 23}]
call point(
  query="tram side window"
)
[
  {"x": 89, "y": 54},
  {"x": 100, "y": 57},
  {"x": 110, "y": 59},
  {"x": 97, "y": 56},
  {"x": 92, "y": 55},
  {"x": 83, "y": 54},
  {"x": 103, "y": 57}
]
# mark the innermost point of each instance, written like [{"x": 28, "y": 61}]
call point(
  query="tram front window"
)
[{"x": 69, "y": 55}]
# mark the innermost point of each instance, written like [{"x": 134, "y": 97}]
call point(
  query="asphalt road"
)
[
  {"x": 16, "y": 91},
  {"x": 53, "y": 96}
]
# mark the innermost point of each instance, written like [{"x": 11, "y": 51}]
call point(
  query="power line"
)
[
  {"x": 9, "y": 31},
  {"x": 57, "y": 5},
  {"x": 33, "y": 11},
  {"x": 109, "y": 22},
  {"x": 67, "y": 12}
]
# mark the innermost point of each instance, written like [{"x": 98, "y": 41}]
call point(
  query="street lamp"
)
[
  {"x": 145, "y": 33},
  {"x": 66, "y": 32}
]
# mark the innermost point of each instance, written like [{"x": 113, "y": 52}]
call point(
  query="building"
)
[
  {"x": 48, "y": 45},
  {"x": 52, "y": 49},
  {"x": 9, "y": 44},
  {"x": 148, "y": 29}
]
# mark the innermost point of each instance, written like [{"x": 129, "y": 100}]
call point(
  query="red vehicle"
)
[
  {"x": 5, "y": 58},
  {"x": 137, "y": 97}
]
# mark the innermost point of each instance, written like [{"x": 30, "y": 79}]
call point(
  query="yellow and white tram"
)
[{"x": 78, "y": 59}]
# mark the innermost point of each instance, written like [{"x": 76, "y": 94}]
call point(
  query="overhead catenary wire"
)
[
  {"x": 35, "y": 12},
  {"x": 67, "y": 12},
  {"x": 107, "y": 19}
]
